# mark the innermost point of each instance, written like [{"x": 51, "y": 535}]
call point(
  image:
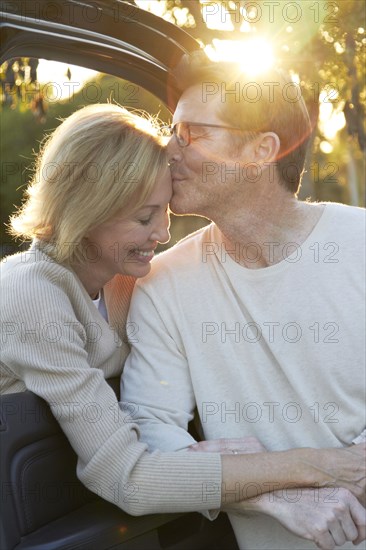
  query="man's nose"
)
[{"x": 174, "y": 151}]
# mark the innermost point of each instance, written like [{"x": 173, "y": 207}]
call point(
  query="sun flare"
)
[{"x": 254, "y": 55}]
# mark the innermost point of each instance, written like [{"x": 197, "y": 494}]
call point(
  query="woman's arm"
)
[
  {"x": 342, "y": 467},
  {"x": 63, "y": 350},
  {"x": 305, "y": 467}
]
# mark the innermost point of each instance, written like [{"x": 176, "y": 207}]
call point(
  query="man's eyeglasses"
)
[{"x": 182, "y": 131}]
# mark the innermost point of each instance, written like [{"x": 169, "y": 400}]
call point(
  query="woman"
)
[{"x": 96, "y": 210}]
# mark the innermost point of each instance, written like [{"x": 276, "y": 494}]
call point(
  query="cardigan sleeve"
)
[{"x": 45, "y": 344}]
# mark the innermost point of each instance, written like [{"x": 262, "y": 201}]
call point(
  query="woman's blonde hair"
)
[{"x": 102, "y": 160}]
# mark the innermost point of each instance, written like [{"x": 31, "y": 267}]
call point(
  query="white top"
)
[
  {"x": 99, "y": 303},
  {"x": 278, "y": 352}
]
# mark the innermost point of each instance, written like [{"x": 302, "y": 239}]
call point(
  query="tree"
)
[{"x": 321, "y": 42}]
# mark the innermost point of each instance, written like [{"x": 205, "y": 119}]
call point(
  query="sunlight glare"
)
[
  {"x": 326, "y": 147},
  {"x": 155, "y": 6},
  {"x": 331, "y": 117},
  {"x": 60, "y": 88},
  {"x": 254, "y": 55}
]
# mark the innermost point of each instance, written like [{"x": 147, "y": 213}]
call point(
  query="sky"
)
[{"x": 56, "y": 73}]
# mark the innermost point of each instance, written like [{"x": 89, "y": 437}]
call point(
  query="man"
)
[{"x": 258, "y": 319}]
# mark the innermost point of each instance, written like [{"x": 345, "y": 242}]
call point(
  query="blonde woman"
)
[{"x": 96, "y": 209}]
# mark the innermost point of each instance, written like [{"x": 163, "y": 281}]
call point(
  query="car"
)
[{"x": 44, "y": 506}]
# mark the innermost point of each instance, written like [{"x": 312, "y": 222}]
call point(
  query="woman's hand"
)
[
  {"x": 234, "y": 446},
  {"x": 328, "y": 517}
]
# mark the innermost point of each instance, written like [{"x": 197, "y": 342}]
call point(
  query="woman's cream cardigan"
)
[{"x": 55, "y": 343}]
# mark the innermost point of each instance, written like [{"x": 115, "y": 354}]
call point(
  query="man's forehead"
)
[{"x": 194, "y": 105}]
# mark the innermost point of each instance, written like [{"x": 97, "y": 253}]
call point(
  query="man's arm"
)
[
  {"x": 327, "y": 517},
  {"x": 157, "y": 390},
  {"x": 344, "y": 467},
  {"x": 156, "y": 386}
]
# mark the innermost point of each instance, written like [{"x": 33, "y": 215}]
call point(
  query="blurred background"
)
[{"x": 321, "y": 43}]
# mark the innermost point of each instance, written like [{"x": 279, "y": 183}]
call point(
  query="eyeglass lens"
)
[{"x": 181, "y": 130}]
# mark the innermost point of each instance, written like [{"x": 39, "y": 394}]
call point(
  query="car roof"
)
[{"x": 111, "y": 37}]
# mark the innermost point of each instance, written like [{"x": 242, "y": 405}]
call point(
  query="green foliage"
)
[
  {"x": 19, "y": 136},
  {"x": 324, "y": 44},
  {"x": 22, "y": 132}
]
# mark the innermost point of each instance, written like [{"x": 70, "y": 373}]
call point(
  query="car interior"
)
[{"x": 45, "y": 507}]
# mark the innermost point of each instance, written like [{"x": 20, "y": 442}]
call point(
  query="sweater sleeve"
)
[{"x": 45, "y": 345}]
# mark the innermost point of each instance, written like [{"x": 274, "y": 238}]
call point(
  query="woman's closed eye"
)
[{"x": 146, "y": 221}]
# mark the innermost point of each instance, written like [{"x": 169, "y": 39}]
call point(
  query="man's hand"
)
[
  {"x": 344, "y": 467},
  {"x": 327, "y": 519}
]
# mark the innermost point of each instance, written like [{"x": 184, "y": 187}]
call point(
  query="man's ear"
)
[{"x": 267, "y": 148}]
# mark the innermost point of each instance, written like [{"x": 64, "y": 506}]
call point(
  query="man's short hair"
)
[{"x": 269, "y": 102}]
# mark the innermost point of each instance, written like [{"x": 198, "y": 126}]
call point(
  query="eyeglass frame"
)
[{"x": 170, "y": 128}]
